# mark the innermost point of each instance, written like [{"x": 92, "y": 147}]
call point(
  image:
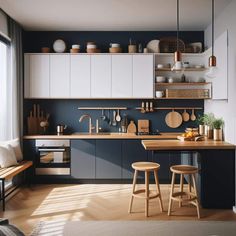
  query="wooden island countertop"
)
[{"x": 155, "y": 145}]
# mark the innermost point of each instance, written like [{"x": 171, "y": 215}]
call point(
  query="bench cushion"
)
[
  {"x": 10, "y": 172},
  {"x": 7, "y": 156}
]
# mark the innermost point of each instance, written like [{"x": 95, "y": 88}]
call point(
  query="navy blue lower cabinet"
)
[
  {"x": 108, "y": 159},
  {"x": 163, "y": 159},
  {"x": 132, "y": 151},
  {"x": 83, "y": 159}
]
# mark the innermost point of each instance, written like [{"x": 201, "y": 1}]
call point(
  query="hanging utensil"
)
[
  {"x": 118, "y": 117},
  {"x": 103, "y": 117},
  {"x": 193, "y": 117},
  {"x": 151, "y": 107},
  {"x": 109, "y": 122},
  {"x": 147, "y": 107},
  {"x": 185, "y": 116},
  {"x": 142, "y": 108},
  {"x": 114, "y": 119}
]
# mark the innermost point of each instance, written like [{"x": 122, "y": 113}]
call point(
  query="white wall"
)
[{"x": 226, "y": 20}]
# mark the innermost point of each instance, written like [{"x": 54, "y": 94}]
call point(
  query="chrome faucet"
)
[{"x": 91, "y": 127}]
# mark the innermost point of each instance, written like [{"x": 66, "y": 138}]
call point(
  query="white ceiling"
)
[{"x": 110, "y": 14}]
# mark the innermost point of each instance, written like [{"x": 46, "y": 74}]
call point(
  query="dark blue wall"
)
[
  {"x": 65, "y": 111},
  {"x": 34, "y": 40}
]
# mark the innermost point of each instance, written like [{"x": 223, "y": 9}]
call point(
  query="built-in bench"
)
[{"x": 7, "y": 174}]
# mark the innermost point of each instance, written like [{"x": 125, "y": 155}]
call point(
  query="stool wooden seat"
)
[
  {"x": 146, "y": 194},
  {"x": 182, "y": 196}
]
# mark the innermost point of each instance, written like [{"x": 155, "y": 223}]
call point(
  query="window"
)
[{"x": 3, "y": 87}]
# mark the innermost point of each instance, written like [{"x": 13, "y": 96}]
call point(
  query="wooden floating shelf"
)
[
  {"x": 183, "y": 84},
  {"x": 184, "y": 69},
  {"x": 102, "y": 108},
  {"x": 193, "y": 98},
  {"x": 173, "y": 108}
]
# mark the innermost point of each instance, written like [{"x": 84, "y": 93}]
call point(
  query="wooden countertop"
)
[
  {"x": 185, "y": 145},
  {"x": 104, "y": 136}
]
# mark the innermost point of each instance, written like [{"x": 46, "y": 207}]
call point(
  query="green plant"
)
[
  {"x": 218, "y": 123},
  {"x": 208, "y": 119},
  {"x": 200, "y": 120}
]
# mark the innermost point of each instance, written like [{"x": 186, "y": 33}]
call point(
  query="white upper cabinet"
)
[
  {"x": 36, "y": 76},
  {"x": 101, "y": 76},
  {"x": 122, "y": 81},
  {"x": 80, "y": 75},
  {"x": 143, "y": 75},
  {"x": 59, "y": 76}
]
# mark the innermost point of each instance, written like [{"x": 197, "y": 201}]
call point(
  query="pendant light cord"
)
[
  {"x": 213, "y": 26},
  {"x": 178, "y": 25}
]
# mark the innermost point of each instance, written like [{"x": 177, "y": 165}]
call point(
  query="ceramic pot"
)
[{"x": 218, "y": 134}]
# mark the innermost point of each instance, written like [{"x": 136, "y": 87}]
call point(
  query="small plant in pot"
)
[
  {"x": 218, "y": 129},
  {"x": 201, "y": 125},
  {"x": 208, "y": 120}
]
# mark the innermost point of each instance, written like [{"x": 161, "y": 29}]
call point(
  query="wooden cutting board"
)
[
  {"x": 173, "y": 119},
  {"x": 131, "y": 127},
  {"x": 143, "y": 126}
]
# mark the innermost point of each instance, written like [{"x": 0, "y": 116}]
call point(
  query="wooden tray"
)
[{"x": 196, "y": 138}]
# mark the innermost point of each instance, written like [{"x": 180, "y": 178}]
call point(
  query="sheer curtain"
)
[{"x": 11, "y": 107}]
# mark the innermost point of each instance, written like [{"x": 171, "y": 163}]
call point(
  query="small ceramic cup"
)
[{"x": 159, "y": 94}]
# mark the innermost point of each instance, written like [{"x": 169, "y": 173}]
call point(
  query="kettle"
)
[{"x": 60, "y": 129}]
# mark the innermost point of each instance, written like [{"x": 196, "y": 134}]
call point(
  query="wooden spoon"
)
[
  {"x": 193, "y": 117},
  {"x": 185, "y": 116},
  {"x": 118, "y": 117}
]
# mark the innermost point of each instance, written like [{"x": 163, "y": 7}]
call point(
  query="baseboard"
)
[{"x": 234, "y": 209}]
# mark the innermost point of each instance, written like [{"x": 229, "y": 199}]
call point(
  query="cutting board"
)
[
  {"x": 131, "y": 127},
  {"x": 143, "y": 126},
  {"x": 173, "y": 119}
]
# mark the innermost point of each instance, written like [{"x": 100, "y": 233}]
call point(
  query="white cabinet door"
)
[
  {"x": 143, "y": 74},
  {"x": 101, "y": 76},
  {"x": 37, "y": 76},
  {"x": 122, "y": 81},
  {"x": 80, "y": 76},
  {"x": 59, "y": 76}
]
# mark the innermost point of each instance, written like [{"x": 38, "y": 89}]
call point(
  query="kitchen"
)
[{"x": 95, "y": 115}]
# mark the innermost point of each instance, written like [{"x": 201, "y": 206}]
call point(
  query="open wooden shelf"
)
[
  {"x": 183, "y": 69},
  {"x": 183, "y": 84},
  {"x": 190, "y": 98}
]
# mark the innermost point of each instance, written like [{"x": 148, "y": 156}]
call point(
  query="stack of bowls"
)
[
  {"x": 115, "y": 48},
  {"x": 75, "y": 48}
]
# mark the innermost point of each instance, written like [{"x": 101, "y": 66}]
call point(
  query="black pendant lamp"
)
[
  {"x": 177, "y": 54},
  {"x": 212, "y": 59}
]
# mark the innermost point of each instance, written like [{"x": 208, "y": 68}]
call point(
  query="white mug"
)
[{"x": 159, "y": 94}]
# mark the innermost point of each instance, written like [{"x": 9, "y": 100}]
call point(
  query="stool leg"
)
[
  {"x": 171, "y": 193},
  {"x": 189, "y": 185},
  {"x": 134, "y": 183},
  {"x": 146, "y": 192},
  {"x": 195, "y": 192},
  {"x": 181, "y": 188},
  {"x": 158, "y": 189}
]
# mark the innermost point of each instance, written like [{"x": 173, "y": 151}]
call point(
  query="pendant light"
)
[
  {"x": 177, "y": 54},
  {"x": 212, "y": 59}
]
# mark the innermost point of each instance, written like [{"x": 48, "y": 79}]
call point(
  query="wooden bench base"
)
[{"x": 7, "y": 174}]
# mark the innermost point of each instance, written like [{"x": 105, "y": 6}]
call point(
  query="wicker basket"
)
[
  {"x": 169, "y": 45},
  {"x": 187, "y": 93}
]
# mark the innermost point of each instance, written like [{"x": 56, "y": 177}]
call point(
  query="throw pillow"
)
[
  {"x": 15, "y": 143},
  {"x": 7, "y": 156}
]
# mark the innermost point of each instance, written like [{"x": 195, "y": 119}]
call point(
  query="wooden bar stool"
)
[
  {"x": 182, "y": 196},
  {"x": 146, "y": 194}
]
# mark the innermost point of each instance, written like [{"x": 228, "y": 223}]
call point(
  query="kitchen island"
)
[{"x": 216, "y": 163}]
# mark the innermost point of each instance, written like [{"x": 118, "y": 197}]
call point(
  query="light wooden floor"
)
[{"x": 93, "y": 202}]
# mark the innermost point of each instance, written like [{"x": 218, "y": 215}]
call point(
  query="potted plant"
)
[
  {"x": 201, "y": 125},
  {"x": 208, "y": 120},
  {"x": 218, "y": 129}
]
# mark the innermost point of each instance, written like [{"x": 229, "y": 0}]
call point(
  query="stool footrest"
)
[
  {"x": 141, "y": 194},
  {"x": 176, "y": 196}
]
